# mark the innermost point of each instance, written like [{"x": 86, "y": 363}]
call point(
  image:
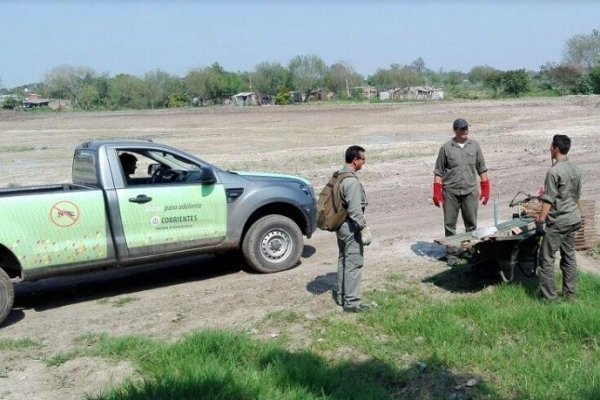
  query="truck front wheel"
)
[
  {"x": 7, "y": 295},
  {"x": 273, "y": 243}
]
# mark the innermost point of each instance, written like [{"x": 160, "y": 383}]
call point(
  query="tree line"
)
[{"x": 578, "y": 73}]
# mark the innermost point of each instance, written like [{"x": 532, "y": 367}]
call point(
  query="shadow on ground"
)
[
  {"x": 322, "y": 283},
  {"x": 308, "y": 251},
  {"x": 428, "y": 250},
  {"x": 298, "y": 374},
  {"x": 60, "y": 291}
]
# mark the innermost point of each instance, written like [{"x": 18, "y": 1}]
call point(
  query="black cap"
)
[{"x": 460, "y": 123}]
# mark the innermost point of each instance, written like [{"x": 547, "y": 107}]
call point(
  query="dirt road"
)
[{"x": 179, "y": 297}]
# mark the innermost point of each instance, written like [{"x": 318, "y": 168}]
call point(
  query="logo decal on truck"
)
[{"x": 64, "y": 214}]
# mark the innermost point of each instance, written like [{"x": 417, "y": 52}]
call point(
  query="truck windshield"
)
[{"x": 172, "y": 161}]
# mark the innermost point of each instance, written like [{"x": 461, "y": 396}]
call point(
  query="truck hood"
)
[{"x": 266, "y": 176}]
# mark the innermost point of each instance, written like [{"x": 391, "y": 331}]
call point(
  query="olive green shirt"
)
[
  {"x": 459, "y": 166},
  {"x": 562, "y": 190},
  {"x": 354, "y": 198}
]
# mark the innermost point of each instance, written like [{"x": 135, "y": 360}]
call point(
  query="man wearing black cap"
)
[{"x": 459, "y": 162}]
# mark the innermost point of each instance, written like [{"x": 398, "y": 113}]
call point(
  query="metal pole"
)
[{"x": 495, "y": 212}]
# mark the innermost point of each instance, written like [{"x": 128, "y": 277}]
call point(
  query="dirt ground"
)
[{"x": 173, "y": 299}]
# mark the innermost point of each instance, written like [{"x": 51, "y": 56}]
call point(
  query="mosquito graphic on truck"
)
[{"x": 173, "y": 205}]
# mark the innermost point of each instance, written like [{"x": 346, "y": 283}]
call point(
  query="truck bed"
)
[{"x": 27, "y": 190}]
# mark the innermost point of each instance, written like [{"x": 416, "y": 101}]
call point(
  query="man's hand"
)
[
  {"x": 540, "y": 226},
  {"x": 438, "y": 196},
  {"x": 366, "y": 236},
  {"x": 485, "y": 192}
]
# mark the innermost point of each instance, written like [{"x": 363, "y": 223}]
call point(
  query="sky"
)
[{"x": 136, "y": 36}]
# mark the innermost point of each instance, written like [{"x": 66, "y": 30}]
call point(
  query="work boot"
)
[
  {"x": 357, "y": 308},
  {"x": 336, "y": 298}
]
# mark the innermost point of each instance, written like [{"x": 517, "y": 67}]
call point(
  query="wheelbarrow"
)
[{"x": 499, "y": 249}]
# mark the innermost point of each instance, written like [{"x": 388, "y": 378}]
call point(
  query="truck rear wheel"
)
[
  {"x": 7, "y": 295},
  {"x": 273, "y": 243}
]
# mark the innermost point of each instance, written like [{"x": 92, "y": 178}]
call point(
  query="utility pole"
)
[{"x": 347, "y": 88}]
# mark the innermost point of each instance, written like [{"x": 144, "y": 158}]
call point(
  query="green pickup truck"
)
[{"x": 133, "y": 202}]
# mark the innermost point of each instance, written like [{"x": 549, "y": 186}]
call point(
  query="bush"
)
[
  {"x": 10, "y": 103},
  {"x": 594, "y": 77},
  {"x": 283, "y": 98},
  {"x": 515, "y": 82},
  {"x": 176, "y": 100}
]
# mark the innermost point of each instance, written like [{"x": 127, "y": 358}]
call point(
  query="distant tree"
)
[
  {"x": 234, "y": 83},
  {"x": 87, "y": 97},
  {"x": 341, "y": 78},
  {"x": 493, "y": 81},
  {"x": 479, "y": 73},
  {"x": 307, "y": 72},
  {"x": 213, "y": 83},
  {"x": 159, "y": 86},
  {"x": 594, "y": 78},
  {"x": 565, "y": 78},
  {"x": 454, "y": 78},
  {"x": 102, "y": 85},
  {"x": 126, "y": 91},
  {"x": 515, "y": 82},
  {"x": 65, "y": 81},
  {"x": 396, "y": 76},
  {"x": 583, "y": 50},
  {"x": 270, "y": 78},
  {"x": 418, "y": 65}
]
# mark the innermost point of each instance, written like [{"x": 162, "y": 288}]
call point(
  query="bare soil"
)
[{"x": 173, "y": 299}]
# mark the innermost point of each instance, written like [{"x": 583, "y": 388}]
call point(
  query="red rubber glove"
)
[
  {"x": 485, "y": 192},
  {"x": 438, "y": 196}
]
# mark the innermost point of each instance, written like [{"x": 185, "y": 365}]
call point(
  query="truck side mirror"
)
[
  {"x": 207, "y": 176},
  {"x": 152, "y": 168}
]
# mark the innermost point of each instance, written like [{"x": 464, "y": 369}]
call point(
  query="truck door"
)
[
  {"x": 160, "y": 217},
  {"x": 165, "y": 218}
]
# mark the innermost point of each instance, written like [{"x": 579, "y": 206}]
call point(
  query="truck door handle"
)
[{"x": 141, "y": 199}]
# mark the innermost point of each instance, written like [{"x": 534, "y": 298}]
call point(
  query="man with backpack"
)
[{"x": 353, "y": 233}]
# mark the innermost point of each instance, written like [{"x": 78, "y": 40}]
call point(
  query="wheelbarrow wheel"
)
[{"x": 507, "y": 274}]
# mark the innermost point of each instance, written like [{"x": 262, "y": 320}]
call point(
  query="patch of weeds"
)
[
  {"x": 120, "y": 302},
  {"x": 281, "y": 318},
  {"x": 16, "y": 149},
  {"x": 61, "y": 358},
  {"x": 19, "y": 344},
  {"x": 90, "y": 339}
]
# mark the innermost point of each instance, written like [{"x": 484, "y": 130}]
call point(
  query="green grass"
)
[
  {"x": 19, "y": 344},
  {"x": 213, "y": 365},
  {"x": 411, "y": 346},
  {"x": 16, "y": 149},
  {"x": 505, "y": 338}
]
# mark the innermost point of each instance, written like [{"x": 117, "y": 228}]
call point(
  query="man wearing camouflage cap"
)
[{"x": 459, "y": 162}]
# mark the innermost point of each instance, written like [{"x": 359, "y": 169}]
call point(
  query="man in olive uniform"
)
[
  {"x": 352, "y": 235},
  {"x": 459, "y": 162},
  {"x": 560, "y": 212}
]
